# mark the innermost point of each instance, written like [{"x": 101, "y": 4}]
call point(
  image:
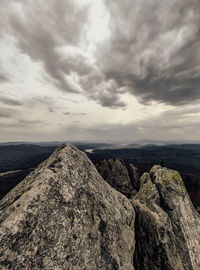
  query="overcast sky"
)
[{"x": 99, "y": 70}]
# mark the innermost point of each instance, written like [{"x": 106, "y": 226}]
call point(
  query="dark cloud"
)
[
  {"x": 110, "y": 100},
  {"x": 152, "y": 52},
  {"x": 4, "y": 115},
  {"x": 47, "y": 32},
  {"x": 74, "y": 114},
  {"x": 105, "y": 92},
  {"x": 9, "y": 101},
  {"x": 30, "y": 122},
  {"x": 50, "y": 32},
  {"x": 154, "y": 49},
  {"x": 3, "y": 78},
  {"x": 51, "y": 110},
  {"x": 7, "y": 113}
]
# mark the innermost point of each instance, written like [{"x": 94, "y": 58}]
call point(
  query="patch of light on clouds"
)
[
  {"x": 16, "y": 8},
  {"x": 97, "y": 30},
  {"x": 26, "y": 78},
  {"x": 72, "y": 82},
  {"x": 136, "y": 111},
  {"x": 96, "y": 115}
]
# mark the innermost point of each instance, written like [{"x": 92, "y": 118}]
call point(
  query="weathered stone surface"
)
[
  {"x": 144, "y": 178},
  {"x": 155, "y": 240},
  {"x": 134, "y": 178},
  {"x": 65, "y": 216},
  {"x": 117, "y": 175},
  {"x": 185, "y": 219},
  {"x": 167, "y": 225}
]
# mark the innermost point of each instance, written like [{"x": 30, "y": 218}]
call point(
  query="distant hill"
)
[
  {"x": 182, "y": 157},
  {"x": 23, "y": 156}
]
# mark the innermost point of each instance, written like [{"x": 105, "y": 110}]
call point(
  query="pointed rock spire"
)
[
  {"x": 167, "y": 225},
  {"x": 65, "y": 216}
]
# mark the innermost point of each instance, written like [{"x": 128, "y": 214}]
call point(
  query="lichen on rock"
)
[
  {"x": 168, "y": 178},
  {"x": 172, "y": 214}
]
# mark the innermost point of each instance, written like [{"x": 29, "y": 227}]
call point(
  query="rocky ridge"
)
[
  {"x": 119, "y": 176},
  {"x": 65, "y": 216},
  {"x": 167, "y": 225}
]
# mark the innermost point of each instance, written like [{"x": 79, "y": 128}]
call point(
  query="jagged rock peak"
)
[
  {"x": 167, "y": 225},
  {"x": 121, "y": 177},
  {"x": 65, "y": 216}
]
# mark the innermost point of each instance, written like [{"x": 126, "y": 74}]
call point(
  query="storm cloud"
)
[
  {"x": 10, "y": 101},
  {"x": 126, "y": 68},
  {"x": 152, "y": 51},
  {"x": 48, "y": 32}
]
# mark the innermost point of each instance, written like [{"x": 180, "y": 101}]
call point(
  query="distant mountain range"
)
[
  {"x": 107, "y": 142},
  {"x": 182, "y": 157}
]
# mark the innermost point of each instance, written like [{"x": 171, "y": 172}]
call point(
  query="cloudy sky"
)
[{"x": 99, "y": 70}]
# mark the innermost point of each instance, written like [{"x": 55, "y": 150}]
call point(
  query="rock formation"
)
[
  {"x": 65, "y": 216},
  {"x": 167, "y": 225},
  {"x": 121, "y": 177}
]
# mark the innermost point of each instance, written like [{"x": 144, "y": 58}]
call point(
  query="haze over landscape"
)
[{"x": 99, "y": 70}]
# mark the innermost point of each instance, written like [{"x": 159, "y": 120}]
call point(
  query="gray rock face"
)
[
  {"x": 167, "y": 225},
  {"x": 117, "y": 175},
  {"x": 65, "y": 216}
]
